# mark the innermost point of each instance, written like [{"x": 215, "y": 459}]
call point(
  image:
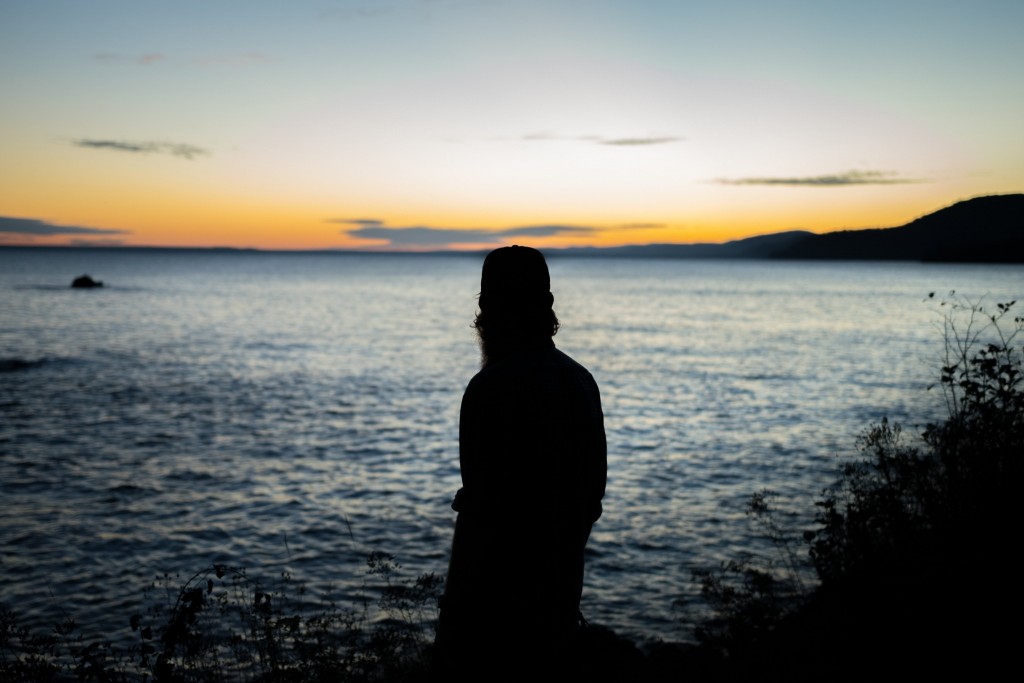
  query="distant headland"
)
[{"x": 985, "y": 229}]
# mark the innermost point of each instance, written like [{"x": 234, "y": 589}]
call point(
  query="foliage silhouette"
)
[
  {"x": 223, "y": 625},
  {"x": 914, "y": 549}
]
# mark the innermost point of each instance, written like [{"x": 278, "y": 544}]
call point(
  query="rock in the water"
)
[{"x": 85, "y": 282}]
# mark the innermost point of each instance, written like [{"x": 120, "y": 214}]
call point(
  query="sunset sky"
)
[{"x": 425, "y": 124}]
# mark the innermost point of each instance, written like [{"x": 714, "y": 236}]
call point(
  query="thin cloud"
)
[
  {"x": 637, "y": 142},
  {"x": 177, "y": 149},
  {"x": 363, "y": 222},
  {"x": 79, "y": 242},
  {"x": 835, "y": 180},
  {"x": 31, "y": 226},
  {"x": 543, "y": 136},
  {"x": 426, "y": 236},
  {"x": 641, "y": 226},
  {"x": 231, "y": 60},
  {"x": 145, "y": 60},
  {"x": 545, "y": 231},
  {"x": 422, "y": 236}
]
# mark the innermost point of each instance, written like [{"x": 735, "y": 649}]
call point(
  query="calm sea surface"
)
[{"x": 298, "y": 411}]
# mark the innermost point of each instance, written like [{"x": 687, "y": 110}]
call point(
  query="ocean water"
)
[{"x": 295, "y": 412}]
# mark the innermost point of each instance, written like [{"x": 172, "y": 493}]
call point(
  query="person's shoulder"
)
[
  {"x": 488, "y": 376},
  {"x": 570, "y": 367},
  {"x": 493, "y": 384},
  {"x": 478, "y": 391},
  {"x": 477, "y": 380},
  {"x": 565, "y": 359}
]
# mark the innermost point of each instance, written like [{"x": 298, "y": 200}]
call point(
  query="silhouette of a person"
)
[{"x": 533, "y": 460}]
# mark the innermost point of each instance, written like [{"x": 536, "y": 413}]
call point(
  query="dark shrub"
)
[{"x": 915, "y": 546}]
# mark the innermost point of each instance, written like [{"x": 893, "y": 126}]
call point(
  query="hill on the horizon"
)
[
  {"x": 987, "y": 229},
  {"x": 981, "y": 230},
  {"x": 760, "y": 246}
]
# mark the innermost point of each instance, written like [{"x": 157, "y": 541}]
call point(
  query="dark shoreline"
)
[
  {"x": 987, "y": 229},
  {"x": 649, "y": 252}
]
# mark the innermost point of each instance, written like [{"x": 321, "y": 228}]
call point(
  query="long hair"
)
[{"x": 502, "y": 329}]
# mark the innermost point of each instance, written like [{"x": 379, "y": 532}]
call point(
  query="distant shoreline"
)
[
  {"x": 644, "y": 252},
  {"x": 985, "y": 229}
]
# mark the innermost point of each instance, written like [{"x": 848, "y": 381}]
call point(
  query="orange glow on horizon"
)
[
  {"x": 282, "y": 231},
  {"x": 189, "y": 213}
]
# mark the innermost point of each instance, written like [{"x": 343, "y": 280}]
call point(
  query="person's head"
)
[{"x": 515, "y": 302}]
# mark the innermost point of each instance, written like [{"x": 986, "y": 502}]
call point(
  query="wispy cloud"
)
[
  {"x": 635, "y": 142},
  {"x": 177, "y": 149},
  {"x": 145, "y": 59},
  {"x": 231, "y": 60},
  {"x": 546, "y": 231},
  {"x": 362, "y": 222},
  {"x": 430, "y": 237},
  {"x": 79, "y": 242},
  {"x": 833, "y": 180},
  {"x": 641, "y": 226},
  {"x": 31, "y": 226},
  {"x": 638, "y": 141},
  {"x": 422, "y": 236},
  {"x": 544, "y": 136}
]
